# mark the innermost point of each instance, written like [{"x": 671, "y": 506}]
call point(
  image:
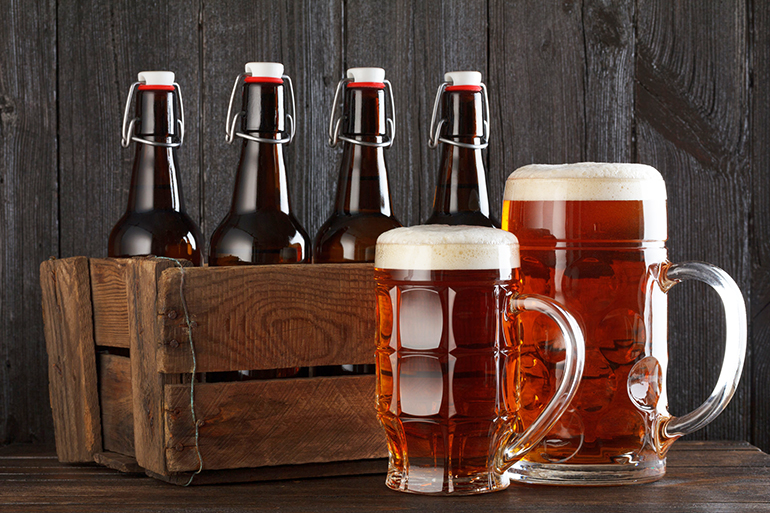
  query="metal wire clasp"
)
[
  {"x": 435, "y": 126},
  {"x": 231, "y": 120},
  {"x": 335, "y": 119},
  {"x": 127, "y": 130}
]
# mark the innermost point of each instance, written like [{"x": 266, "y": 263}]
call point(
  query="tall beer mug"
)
[
  {"x": 446, "y": 351},
  {"x": 593, "y": 238}
]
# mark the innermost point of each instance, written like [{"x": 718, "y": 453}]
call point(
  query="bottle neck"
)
[
  {"x": 260, "y": 182},
  {"x": 363, "y": 181},
  {"x": 461, "y": 185},
  {"x": 154, "y": 179}
]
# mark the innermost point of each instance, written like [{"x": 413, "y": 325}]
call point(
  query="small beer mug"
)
[
  {"x": 593, "y": 238},
  {"x": 446, "y": 364}
]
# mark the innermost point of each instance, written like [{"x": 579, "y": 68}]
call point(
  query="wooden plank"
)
[
  {"x": 262, "y": 423},
  {"x": 102, "y": 46},
  {"x": 268, "y": 317},
  {"x": 110, "y": 301},
  {"x": 719, "y": 488},
  {"x": 147, "y": 382},
  {"x": 28, "y": 211},
  {"x": 117, "y": 405},
  {"x": 609, "y": 81},
  {"x": 691, "y": 118},
  {"x": 120, "y": 462},
  {"x": 383, "y": 34},
  {"x": 760, "y": 227},
  {"x": 448, "y": 36},
  {"x": 279, "y": 473},
  {"x": 537, "y": 71},
  {"x": 71, "y": 358}
]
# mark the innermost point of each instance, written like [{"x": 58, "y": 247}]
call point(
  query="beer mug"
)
[
  {"x": 593, "y": 238},
  {"x": 445, "y": 345}
]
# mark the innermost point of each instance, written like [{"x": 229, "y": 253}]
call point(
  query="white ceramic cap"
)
[
  {"x": 463, "y": 78},
  {"x": 265, "y": 69},
  {"x": 366, "y": 74},
  {"x": 160, "y": 78}
]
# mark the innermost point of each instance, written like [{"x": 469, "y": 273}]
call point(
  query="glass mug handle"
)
[
  {"x": 514, "y": 446},
  {"x": 735, "y": 344}
]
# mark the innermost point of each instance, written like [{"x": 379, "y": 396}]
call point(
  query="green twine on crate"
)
[{"x": 194, "y": 366}]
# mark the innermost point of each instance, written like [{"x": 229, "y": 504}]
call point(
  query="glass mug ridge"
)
[
  {"x": 592, "y": 236},
  {"x": 446, "y": 358}
]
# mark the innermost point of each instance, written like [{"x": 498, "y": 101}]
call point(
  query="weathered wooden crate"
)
[{"x": 119, "y": 356}]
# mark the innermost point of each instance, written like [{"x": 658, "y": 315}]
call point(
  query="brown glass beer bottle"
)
[
  {"x": 155, "y": 222},
  {"x": 260, "y": 227},
  {"x": 362, "y": 209},
  {"x": 463, "y": 128}
]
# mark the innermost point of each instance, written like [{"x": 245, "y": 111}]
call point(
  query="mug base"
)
[
  {"x": 587, "y": 475},
  {"x": 433, "y": 481}
]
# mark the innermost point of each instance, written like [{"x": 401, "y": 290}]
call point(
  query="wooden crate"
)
[{"x": 118, "y": 350}]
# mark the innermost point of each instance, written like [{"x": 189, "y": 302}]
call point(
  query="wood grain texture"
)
[
  {"x": 273, "y": 422},
  {"x": 730, "y": 484},
  {"x": 759, "y": 315},
  {"x": 328, "y": 304},
  {"x": 120, "y": 462},
  {"x": 28, "y": 211},
  {"x": 116, "y": 400},
  {"x": 102, "y": 46},
  {"x": 609, "y": 80},
  {"x": 71, "y": 358},
  {"x": 147, "y": 382},
  {"x": 537, "y": 71},
  {"x": 110, "y": 301},
  {"x": 691, "y": 118}
]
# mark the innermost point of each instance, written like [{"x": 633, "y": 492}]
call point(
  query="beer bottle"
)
[
  {"x": 362, "y": 209},
  {"x": 260, "y": 227},
  {"x": 155, "y": 222},
  {"x": 463, "y": 128}
]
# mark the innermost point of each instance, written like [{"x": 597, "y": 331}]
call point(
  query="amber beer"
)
[
  {"x": 592, "y": 237},
  {"x": 444, "y": 346}
]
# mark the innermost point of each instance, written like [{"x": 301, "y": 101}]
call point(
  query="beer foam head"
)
[
  {"x": 586, "y": 181},
  {"x": 442, "y": 247}
]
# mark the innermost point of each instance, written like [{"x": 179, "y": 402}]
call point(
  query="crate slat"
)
[
  {"x": 274, "y": 422},
  {"x": 268, "y": 317},
  {"x": 116, "y": 403},
  {"x": 69, "y": 335},
  {"x": 110, "y": 301},
  {"x": 146, "y": 381}
]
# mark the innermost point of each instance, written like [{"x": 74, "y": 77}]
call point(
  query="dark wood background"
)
[{"x": 681, "y": 85}]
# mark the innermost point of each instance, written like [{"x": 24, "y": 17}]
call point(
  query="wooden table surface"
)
[{"x": 702, "y": 476}]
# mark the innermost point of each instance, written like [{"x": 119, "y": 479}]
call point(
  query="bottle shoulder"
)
[
  {"x": 351, "y": 237},
  {"x": 168, "y": 233}
]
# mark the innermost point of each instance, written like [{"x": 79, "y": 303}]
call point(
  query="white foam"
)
[
  {"x": 442, "y": 247},
  {"x": 585, "y": 181}
]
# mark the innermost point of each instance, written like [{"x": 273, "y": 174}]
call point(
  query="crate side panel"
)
[
  {"x": 69, "y": 340},
  {"x": 110, "y": 298},
  {"x": 147, "y": 382},
  {"x": 116, "y": 403},
  {"x": 268, "y": 317},
  {"x": 274, "y": 422}
]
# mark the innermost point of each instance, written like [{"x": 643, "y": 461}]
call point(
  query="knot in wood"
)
[{"x": 172, "y": 314}]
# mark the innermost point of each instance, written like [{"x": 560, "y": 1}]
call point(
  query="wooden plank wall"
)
[{"x": 680, "y": 85}]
